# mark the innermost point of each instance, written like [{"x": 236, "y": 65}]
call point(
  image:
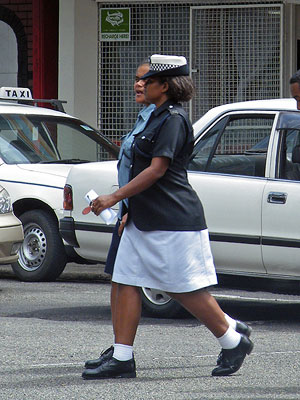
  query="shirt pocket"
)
[{"x": 144, "y": 144}]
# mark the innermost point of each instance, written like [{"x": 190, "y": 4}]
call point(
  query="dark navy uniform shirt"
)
[{"x": 170, "y": 203}]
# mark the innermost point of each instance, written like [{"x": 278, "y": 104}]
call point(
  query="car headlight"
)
[{"x": 5, "y": 202}]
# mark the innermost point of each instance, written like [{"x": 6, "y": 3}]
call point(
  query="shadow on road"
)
[
  {"x": 283, "y": 286},
  {"x": 247, "y": 310},
  {"x": 262, "y": 310},
  {"x": 240, "y": 310}
]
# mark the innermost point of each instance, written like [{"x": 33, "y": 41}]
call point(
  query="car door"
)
[
  {"x": 227, "y": 170},
  {"x": 281, "y": 201}
]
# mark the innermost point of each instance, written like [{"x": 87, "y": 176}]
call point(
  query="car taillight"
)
[{"x": 68, "y": 197}]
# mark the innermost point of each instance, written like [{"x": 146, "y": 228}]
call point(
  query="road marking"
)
[
  {"x": 252, "y": 354},
  {"x": 78, "y": 364}
]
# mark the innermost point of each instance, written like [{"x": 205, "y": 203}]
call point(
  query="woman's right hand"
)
[{"x": 102, "y": 202}]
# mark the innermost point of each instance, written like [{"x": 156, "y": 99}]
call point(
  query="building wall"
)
[
  {"x": 297, "y": 38},
  {"x": 96, "y": 78},
  {"x": 45, "y": 48},
  {"x": 92, "y": 73},
  {"x": 78, "y": 49},
  {"x": 33, "y": 22},
  {"x": 237, "y": 50}
]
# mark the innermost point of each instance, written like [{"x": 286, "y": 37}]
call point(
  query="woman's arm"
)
[{"x": 141, "y": 182}]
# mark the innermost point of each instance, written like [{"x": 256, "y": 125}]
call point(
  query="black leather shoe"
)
[
  {"x": 241, "y": 327},
  {"x": 104, "y": 356},
  {"x": 232, "y": 359},
  {"x": 112, "y": 368}
]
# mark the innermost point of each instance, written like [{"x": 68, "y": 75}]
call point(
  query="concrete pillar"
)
[{"x": 77, "y": 64}]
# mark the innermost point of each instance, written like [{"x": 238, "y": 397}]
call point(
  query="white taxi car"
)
[
  {"x": 245, "y": 168},
  {"x": 11, "y": 230},
  {"x": 38, "y": 146}
]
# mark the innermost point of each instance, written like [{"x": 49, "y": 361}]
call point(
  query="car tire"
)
[
  {"x": 156, "y": 303},
  {"x": 42, "y": 256}
]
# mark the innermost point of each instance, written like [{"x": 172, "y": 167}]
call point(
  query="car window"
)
[
  {"x": 288, "y": 149},
  {"x": 235, "y": 145},
  {"x": 288, "y": 157},
  {"x": 33, "y": 139}
]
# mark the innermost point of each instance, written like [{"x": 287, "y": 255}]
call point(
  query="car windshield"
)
[{"x": 28, "y": 139}]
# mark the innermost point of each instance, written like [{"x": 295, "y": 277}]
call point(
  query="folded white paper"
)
[
  {"x": 90, "y": 196},
  {"x": 108, "y": 215}
]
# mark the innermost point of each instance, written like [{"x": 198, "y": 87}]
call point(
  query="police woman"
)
[{"x": 165, "y": 243}]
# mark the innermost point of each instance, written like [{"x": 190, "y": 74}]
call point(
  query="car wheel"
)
[
  {"x": 42, "y": 256},
  {"x": 156, "y": 303}
]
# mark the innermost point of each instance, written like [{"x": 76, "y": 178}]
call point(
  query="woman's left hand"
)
[
  {"x": 102, "y": 202},
  {"x": 122, "y": 224}
]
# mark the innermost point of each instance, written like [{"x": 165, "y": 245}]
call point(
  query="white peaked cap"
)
[
  {"x": 164, "y": 65},
  {"x": 175, "y": 61}
]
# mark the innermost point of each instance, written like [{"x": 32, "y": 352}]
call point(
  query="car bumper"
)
[
  {"x": 78, "y": 235},
  {"x": 67, "y": 231}
]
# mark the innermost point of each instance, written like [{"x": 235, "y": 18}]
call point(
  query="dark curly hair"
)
[
  {"x": 295, "y": 78},
  {"x": 181, "y": 88}
]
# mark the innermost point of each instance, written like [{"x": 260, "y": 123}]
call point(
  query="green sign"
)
[{"x": 115, "y": 24}]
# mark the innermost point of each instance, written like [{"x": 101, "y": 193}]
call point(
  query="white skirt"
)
[{"x": 172, "y": 261}]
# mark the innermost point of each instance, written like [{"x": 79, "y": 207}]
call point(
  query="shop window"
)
[
  {"x": 9, "y": 55},
  {"x": 17, "y": 49}
]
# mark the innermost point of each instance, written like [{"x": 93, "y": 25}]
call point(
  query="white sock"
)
[
  {"x": 230, "y": 339},
  {"x": 122, "y": 352},
  {"x": 231, "y": 321}
]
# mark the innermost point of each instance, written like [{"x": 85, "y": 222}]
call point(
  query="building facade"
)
[
  {"x": 86, "y": 51},
  {"x": 237, "y": 50}
]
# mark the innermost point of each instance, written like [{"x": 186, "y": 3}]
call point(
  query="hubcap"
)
[
  {"x": 156, "y": 297},
  {"x": 33, "y": 250}
]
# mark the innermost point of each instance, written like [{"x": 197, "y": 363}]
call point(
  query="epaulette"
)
[{"x": 172, "y": 110}]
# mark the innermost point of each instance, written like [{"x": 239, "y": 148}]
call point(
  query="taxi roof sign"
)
[
  {"x": 24, "y": 96},
  {"x": 15, "y": 93}
]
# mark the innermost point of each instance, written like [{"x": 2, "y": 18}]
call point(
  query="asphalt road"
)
[{"x": 48, "y": 330}]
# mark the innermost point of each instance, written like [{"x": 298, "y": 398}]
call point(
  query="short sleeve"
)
[{"x": 171, "y": 137}]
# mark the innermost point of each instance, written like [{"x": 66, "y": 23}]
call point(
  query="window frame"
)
[{"x": 226, "y": 118}]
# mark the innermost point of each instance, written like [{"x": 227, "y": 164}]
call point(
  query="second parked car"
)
[{"x": 245, "y": 168}]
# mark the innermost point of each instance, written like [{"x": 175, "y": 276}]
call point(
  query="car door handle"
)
[{"x": 277, "y": 197}]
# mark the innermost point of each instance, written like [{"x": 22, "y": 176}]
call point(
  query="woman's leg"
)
[
  {"x": 205, "y": 308},
  {"x": 235, "y": 346},
  {"x": 106, "y": 354},
  {"x": 127, "y": 314},
  {"x": 126, "y": 305},
  {"x": 113, "y": 302}
]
